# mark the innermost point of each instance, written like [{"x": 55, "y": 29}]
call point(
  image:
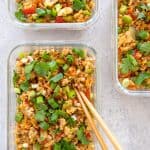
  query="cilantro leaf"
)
[
  {"x": 141, "y": 16},
  {"x": 71, "y": 121},
  {"x": 79, "y": 52},
  {"x": 24, "y": 86},
  {"x": 28, "y": 69},
  {"x": 128, "y": 64},
  {"x": 44, "y": 125},
  {"x": 78, "y": 4},
  {"x": 45, "y": 56},
  {"x": 144, "y": 47},
  {"x": 81, "y": 136},
  {"x": 20, "y": 16},
  {"x": 142, "y": 7},
  {"x": 141, "y": 77},
  {"x": 15, "y": 78},
  {"x": 64, "y": 145},
  {"x": 41, "y": 68}
]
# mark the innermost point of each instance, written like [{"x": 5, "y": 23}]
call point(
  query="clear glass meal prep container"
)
[
  {"x": 11, "y": 94},
  {"x": 11, "y": 5},
  {"x": 114, "y": 43}
]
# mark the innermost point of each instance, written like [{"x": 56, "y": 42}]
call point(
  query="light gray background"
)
[{"x": 128, "y": 117}]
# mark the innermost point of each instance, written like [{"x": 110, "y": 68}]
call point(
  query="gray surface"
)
[{"x": 128, "y": 117}]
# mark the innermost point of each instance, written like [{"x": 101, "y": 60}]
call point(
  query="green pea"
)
[
  {"x": 127, "y": 19},
  {"x": 123, "y": 9},
  {"x": 142, "y": 35}
]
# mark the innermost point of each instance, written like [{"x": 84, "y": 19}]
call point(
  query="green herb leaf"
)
[
  {"x": 65, "y": 67},
  {"x": 71, "y": 121},
  {"x": 36, "y": 146},
  {"x": 57, "y": 146},
  {"x": 20, "y": 16},
  {"x": 41, "y": 106},
  {"x": 44, "y": 125},
  {"x": 24, "y": 86},
  {"x": 78, "y": 4},
  {"x": 64, "y": 145},
  {"x": 141, "y": 16},
  {"x": 41, "y": 12},
  {"x": 56, "y": 90},
  {"x": 128, "y": 64},
  {"x": 54, "y": 117},
  {"x": 45, "y": 56},
  {"x": 40, "y": 115},
  {"x": 70, "y": 59},
  {"x": 57, "y": 78},
  {"x": 53, "y": 65},
  {"x": 40, "y": 100},
  {"x": 57, "y": 114},
  {"x": 144, "y": 47},
  {"x": 53, "y": 85},
  {"x": 53, "y": 103},
  {"x": 141, "y": 77},
  {"x": 41, "y": 68},
  {"x": 19, "y": 117},
  {"x": 56, "y": 131},
  {"x": 28, "y": 69},
  {"x": 142, "y": 7},
  {"x": 142, "y": 35},
  {"x": 81, "y": 136},
  {"x": 79, "y": 52},
  {"x": 15, "y": 78}
]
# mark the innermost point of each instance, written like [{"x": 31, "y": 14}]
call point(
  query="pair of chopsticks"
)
[{"x": 86, "y": 103}]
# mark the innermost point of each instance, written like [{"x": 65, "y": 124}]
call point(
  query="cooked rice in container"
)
[
  {"x": 134, "y": 44},
  {"x": 49, "y": 115}
]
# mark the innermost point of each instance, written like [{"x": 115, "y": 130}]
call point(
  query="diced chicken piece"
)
[{"x": 65, "y": 11}]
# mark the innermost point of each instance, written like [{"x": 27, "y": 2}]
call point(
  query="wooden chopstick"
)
[
  {"x": 101, "y": 122},
  {"x": 91, "y": 122}
]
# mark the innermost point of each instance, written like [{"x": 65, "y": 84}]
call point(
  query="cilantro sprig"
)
[
  {"x": 78, "y": 4},
  {"x": 142, "y": 77},
  {"x": 81, "y": 136},
  {"x": 128, "y": 64}
]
